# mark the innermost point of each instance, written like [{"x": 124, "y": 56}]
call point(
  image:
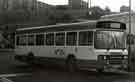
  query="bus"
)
[{"x": 93, "y": 44}]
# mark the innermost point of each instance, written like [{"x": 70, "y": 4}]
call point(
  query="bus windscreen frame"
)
[{"x": 108, "y": 25}]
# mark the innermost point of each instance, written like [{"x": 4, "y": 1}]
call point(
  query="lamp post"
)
[
  {"x": 129, "y": 49},
  {"x": 89, "y": 3},
  {"x": 89, "y": 6}
]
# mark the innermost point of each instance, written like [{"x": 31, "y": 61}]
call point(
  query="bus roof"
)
[
  {"x": 59, "y": 27},
  {"x": 64, "y": 27}
]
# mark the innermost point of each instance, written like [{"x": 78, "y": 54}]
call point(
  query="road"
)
[{"x": 13, "y": 71}]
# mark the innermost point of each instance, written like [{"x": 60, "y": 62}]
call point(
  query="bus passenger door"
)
[
  {"x": 85, "y": 53},
  {"x": 59, "y": 48},
  {"x": 85, "y": 49}
]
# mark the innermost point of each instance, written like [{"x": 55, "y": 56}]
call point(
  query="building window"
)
[
  {"x": 60, "y": 39},
  {"x": 85, "y": 38},
  {"x": 31, "y": 40},
  {"x": 71, "y": 38},
  {"x": 50, "y": 39},
  {"x": 40, "y": 39}
]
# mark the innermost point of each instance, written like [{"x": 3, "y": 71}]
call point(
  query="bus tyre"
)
[
  {"x": 71, "y": 64},
  {"x": 100, "y": 70},
  {"x": 100, "y": 64},
  {"x": 30, "y": 58}
]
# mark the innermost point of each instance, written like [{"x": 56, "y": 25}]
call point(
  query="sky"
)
[{"x": 114, "y": 5}]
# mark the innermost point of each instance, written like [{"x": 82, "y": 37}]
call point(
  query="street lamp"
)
[
  {"x": 89, "y": 7},
  {"x": 129, "y": 49}
]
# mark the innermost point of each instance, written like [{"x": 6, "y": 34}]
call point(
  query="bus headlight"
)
[
  {"x": 107, "y": 62},
  {"x": 105, "y": 57},
  {"x": 125, "y": 52},
  {"x": 125, "y": 62},
  {"x": 125, "y": 57}
]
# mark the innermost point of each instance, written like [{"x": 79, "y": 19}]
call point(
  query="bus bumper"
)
[{"x": 113, "y": 61}]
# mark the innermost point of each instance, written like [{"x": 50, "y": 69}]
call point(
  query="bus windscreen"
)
[{"x": 110, "y": 40}]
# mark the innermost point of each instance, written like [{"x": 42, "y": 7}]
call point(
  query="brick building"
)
[{"x": 17, "y": 4}]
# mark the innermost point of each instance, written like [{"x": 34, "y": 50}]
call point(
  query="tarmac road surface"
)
[{"x": 13, "y": 71}]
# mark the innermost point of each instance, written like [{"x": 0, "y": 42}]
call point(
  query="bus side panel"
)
[
  {"x": 86, "y": 56},
  {"x": 48, "y": 54},
  {"x": 43, "y": 51},
  {"x": 22, "y": 50}
]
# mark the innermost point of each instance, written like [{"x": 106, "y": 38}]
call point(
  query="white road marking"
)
[
  {"x": 14, "y": 75},
  {"x": 6, "y": 80},
  {"x": 3, "y": 77}
]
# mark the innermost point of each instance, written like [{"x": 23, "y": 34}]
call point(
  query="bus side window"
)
[
  {"x": 60, "y": 39},
  {"x": 50, "y": 39},
  {"x": 17, "y": 40},
  {"x": 22, "y": 40},
  {"x": 85, "y": 38},
  {"x": 71, "y": 38},
  {"x": 40, "y": 39},
  {"x": 31, "y": 40}
]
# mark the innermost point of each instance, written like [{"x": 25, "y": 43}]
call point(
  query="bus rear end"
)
[{"x": 110, "y": 45}]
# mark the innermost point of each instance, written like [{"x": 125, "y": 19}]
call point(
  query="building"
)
[
  {"x": 3, "y": 5},
  {"x": 77, "y": 4},
  {"x": 122, "y": 17},
  {"x": 17, "y": 4},
  {"x": 85, "y": 5},
  {"x": 124, "y": 9},
  {"x": 43, "y": 6}
]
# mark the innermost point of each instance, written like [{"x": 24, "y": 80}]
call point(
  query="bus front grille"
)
[
  {"x": 114, "y": 62},
  {"x": 115, "y": 59}
]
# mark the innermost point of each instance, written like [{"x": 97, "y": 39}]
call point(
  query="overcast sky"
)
[{"x": 114, "y": 5}]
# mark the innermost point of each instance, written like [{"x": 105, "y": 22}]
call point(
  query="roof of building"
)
[{"x": 118, "y": 14}]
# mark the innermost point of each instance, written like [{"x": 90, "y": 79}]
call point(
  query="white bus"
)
[{"x": 92, "y": 44}]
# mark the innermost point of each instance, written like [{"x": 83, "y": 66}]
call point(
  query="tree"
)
[
  {"x": 51, "y": 19},
  {"x": 96, "y": 12},
  {"x": 66, "y": 18},
  {"x": 62, "y": 7},
  {"x": 107, "y": 10}
]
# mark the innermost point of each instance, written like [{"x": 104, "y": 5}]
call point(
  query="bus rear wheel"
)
[
  {"x": 30, "y": 58},
  {"x": 100, "y": 70},
  {"x": 71, "y": 64}
]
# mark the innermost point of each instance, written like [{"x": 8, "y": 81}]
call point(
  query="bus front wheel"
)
[
  {"x": 71, "y": 65},
  {"x": 30, "y": 58},
  {"x": 100, "y": 70}
]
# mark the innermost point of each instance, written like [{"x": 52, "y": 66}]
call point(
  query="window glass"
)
[
  {"x": 40, "y": 39},
  {"x": 17, "y": 40},
  {"x": 85, "y": 38},
  {"x": 50, "y": 39},
  {"x": 110, "y": 40},
  {"x": 21, "y": 40},
  {"x": 60, "y": 39},
  {"x": 31, "y": 40},
  {"x": 71, "y": 38}
]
